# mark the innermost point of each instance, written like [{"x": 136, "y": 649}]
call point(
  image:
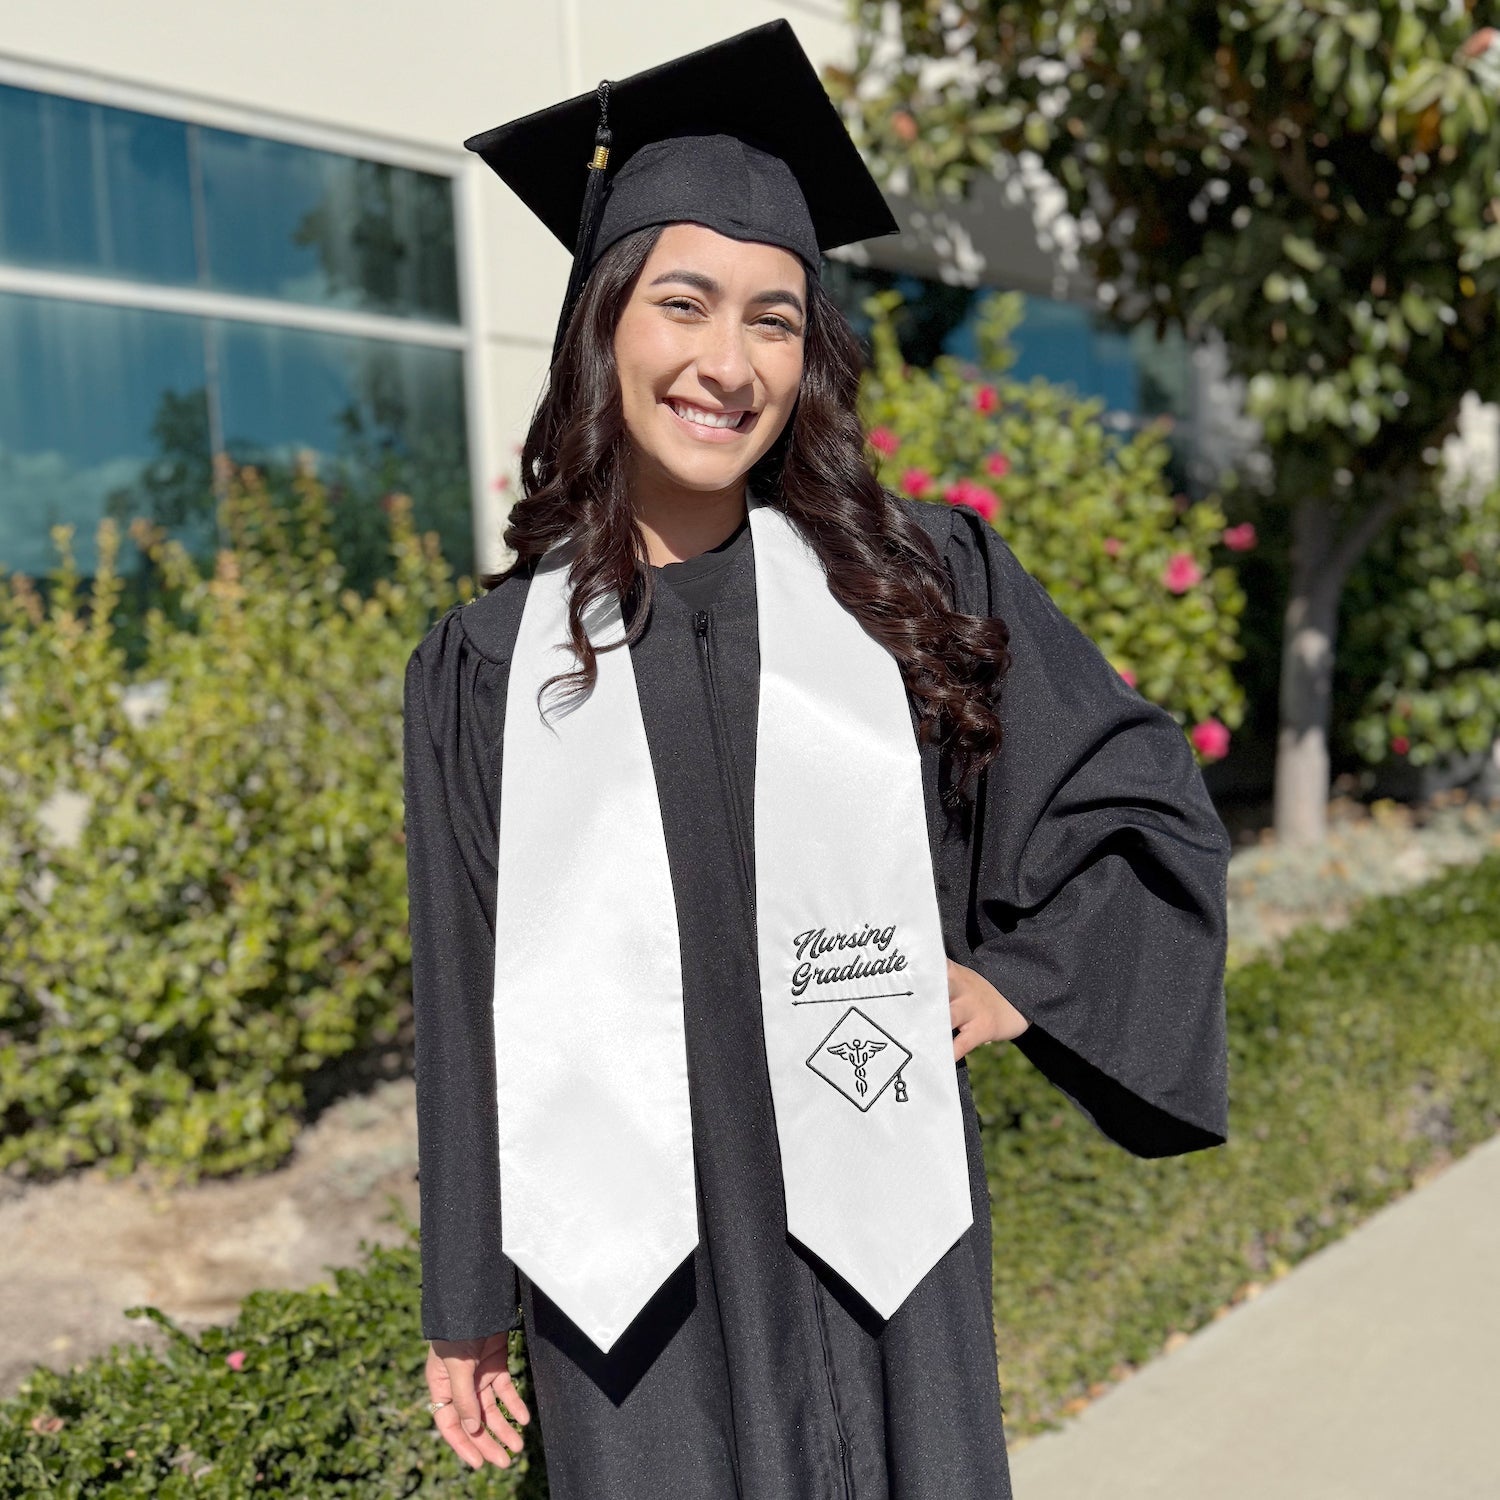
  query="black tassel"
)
[{"x": 588, "y": 221}]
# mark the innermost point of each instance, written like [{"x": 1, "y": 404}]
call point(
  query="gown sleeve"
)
[
  {"x": 450, "y": 768},
  {"x": 1099, "y": 875}
]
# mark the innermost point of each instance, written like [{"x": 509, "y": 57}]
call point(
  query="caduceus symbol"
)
[{"x": 858, "y": 1053}]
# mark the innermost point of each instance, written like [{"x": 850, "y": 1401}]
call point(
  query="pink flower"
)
[
  {"x": 1210, "y": 738},
  {"x": 1112, "y": 545},
  {"x": 1239, "y": 538},
  {"x": 1400, "y": 744},
  {"x": 998, "y": 465},
  {"x": 1480, "y": 42},
  {"x": 502, "y": 483},
  {"x": 1128, "y": 675},
  {"x": 885, "y": 440},
  {"x": 971, "y": 493},
  {"x": 916, "y": 482},
  {"x": 236, "y": 1360},
  {"x": 1181, "y": 572},
  {"x": 986, "y": 399}
]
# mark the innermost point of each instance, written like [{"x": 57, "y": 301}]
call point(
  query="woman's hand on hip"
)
[
  {"x": 474, "y": 1376},
  {"x": 979, "y": 1012}
]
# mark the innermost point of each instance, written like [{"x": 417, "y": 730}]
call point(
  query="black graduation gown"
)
[{"x": 1088, "y": 885}]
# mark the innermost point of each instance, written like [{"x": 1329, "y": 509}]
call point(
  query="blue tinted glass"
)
[
  {"x": 313, "y": 226},
  {"x": 105, "y": 411},
  {"x": 1060, "y": 342},
  {"x": 101, "y": 411},
  {"x": 378, "y": 416},
  {"x": 88, "y": 188}
]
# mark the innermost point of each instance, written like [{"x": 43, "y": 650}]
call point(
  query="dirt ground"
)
[
  {"x": 80, "y": 1250},
  {"x": 76, "y": 1252}
]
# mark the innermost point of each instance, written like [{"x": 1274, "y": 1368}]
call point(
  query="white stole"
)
[{"x": 596, "y": 1161}]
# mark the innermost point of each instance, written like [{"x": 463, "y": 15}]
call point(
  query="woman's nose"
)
[{"x": 722, "y": 357}]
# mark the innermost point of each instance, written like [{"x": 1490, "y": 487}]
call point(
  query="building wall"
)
[{"x": 411, "y": 82}]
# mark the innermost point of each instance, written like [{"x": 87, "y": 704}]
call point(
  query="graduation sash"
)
[{"x": 596, "y": 1157}]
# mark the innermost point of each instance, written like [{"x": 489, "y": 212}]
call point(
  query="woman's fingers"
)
[
  {"x": 964, "y": 1041},
  {"x": 495, "y": 1420},
  {"x": 446, "y": 1419},
  {"x": 447, "y": 1423},
  {"x": 962, "y": 1011},
  {"x": 465, "y": 1397},
  {"x": 464, "y": 1427},
  {"x": 505, "y": 1388}
]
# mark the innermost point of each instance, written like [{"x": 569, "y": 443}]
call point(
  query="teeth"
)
[{"x": 706, "y": 418}]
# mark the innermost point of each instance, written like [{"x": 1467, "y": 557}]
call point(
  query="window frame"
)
[{"x": 193, "y": 109}]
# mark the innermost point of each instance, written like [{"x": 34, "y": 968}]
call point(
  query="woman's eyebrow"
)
[{"x": 711, "y": 288}]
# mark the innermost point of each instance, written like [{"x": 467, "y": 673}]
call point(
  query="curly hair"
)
[{"x": 880, "y": 563}]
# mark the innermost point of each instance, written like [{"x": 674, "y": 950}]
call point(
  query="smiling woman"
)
[
  {"x": 734, "y": 708},
  {"x": 709, "y": 374}
]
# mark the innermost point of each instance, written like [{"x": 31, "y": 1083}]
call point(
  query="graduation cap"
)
[{"x": 740, "y": 136}]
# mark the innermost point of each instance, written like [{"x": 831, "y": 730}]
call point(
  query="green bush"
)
[
  {"x": 1358, "y": 1059},
  {"x": 1424, "y": 618},
  {"x": 228, "y": 919},
  {"x": 305, "y": 1394},
  {"x": 1092, "y": 516}
]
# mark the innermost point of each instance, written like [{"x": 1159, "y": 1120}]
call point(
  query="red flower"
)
[
  {"x": 1112, "y": 545},
  {"x": 885, "y": 440},
  {"x": 975, "y": 495},
  {"x": 1181, "y": 572},
  {"x": 1128, "y": 675},
  {"x": 998, "y": 465},
  {"x": 916, "y": 482},
  {"x": 236, "y": 1360},
  {"x": 1400, "y": 744},
  {"x": 1210, "y": 738},
  {"x": 986, "y": 399},
  {"x": 1239, "y": 538}
]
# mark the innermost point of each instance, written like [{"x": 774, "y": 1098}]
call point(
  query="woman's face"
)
[{"x": 712, "y": 331}]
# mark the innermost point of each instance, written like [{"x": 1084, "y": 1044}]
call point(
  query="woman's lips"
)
[{"x": 706, "y": 434}]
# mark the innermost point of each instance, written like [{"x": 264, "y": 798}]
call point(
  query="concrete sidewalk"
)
[{"x": 1370, "y": 1372}]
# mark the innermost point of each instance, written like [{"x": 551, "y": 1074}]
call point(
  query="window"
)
[
  {"x": 1066, "y": 343},
  {"x": 113, "y": 399}
]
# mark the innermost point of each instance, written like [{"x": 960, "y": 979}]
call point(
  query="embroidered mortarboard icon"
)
[{"x": 740, "y": 136}]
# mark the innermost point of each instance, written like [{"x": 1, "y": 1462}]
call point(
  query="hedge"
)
[
  {"x": 229, "y": 918},
  {"x": 306, "y": 1394},
  {"x": 1360, "y": 1058}
]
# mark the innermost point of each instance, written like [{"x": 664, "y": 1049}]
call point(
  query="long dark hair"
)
[{"x": 880, "y": 563}]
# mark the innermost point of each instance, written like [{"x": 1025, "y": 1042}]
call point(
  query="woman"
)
[{"x": 696, "y": 447}]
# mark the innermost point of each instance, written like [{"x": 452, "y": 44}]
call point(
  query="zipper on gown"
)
[{"x": 702, "y": 628}]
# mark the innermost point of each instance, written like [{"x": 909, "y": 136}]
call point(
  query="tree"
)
[{"x": 1320, "y": 185}]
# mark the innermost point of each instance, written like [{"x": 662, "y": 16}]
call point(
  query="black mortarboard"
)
[{"x": 740, "y": 136}]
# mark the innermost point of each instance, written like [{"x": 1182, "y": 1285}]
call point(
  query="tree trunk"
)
[{"x": 1307, "y": 653}]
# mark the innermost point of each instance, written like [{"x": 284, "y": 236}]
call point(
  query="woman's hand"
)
[
  {"x": 980, "y": 1013},
  {"x": 475, "y": 1374}
]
